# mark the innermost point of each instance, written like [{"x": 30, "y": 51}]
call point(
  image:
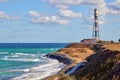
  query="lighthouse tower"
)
[{"x": 96, "y": 27}]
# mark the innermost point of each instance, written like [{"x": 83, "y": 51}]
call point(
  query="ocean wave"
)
[
  {"x": 40, "y": 71},
  {"x": 24, "y": 60},
  {"x": 3, "y": 52},
  {"x": 25, "y": 54},
  {"x": 25, "y": 57}
]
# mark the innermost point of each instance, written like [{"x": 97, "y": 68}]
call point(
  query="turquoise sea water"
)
[
  {"x": 26, "y": 61},
  {"x": 18, "y": 61}
]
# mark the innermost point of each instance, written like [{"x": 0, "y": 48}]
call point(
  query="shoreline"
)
[
  {"x": 104, "y": 63},
  {"x": 72, "y": 63},
  {"x": 61, "y": 59},
  {"x": 40, "y": 71}
]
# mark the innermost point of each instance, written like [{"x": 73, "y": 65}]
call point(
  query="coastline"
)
[
  {"x": 104, "y": 63},
  {"x": 40, "y": 71},
  {"x": 70, "y": 59},
  {"x": 62, "y": 59},
  {"x": 26, "y": 61}
]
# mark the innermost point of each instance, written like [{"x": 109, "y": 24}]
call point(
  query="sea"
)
[{"x": 26, "y": 61}]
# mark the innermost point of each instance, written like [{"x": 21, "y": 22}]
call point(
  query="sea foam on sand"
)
[{"x": 41, "y": 71}]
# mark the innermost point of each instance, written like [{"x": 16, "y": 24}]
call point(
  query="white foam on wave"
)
[
  {"x": 23, "y": 57},
  {"x": 21, "y": 70},
  {"x": 41, "y": 71},
  {"x": 24, "y": 60},
  {"x": 24, "y": 54},
  {"x": 3, "y": 52}
]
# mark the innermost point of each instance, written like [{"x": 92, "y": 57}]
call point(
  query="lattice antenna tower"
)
[{"x": 96, "y": 27}]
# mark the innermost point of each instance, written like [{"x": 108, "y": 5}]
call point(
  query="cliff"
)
[
  {"x": 77, "y": 52},
  {"x": 60, "y": 57},
  {"x": 73, "y": 53},
  {"x": 70, "y": 55},
  {"x": 103, "y": 62},
  {"x": 103, "y": 65}
]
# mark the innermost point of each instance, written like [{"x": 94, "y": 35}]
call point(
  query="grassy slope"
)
[
  {"x": 77, "y": 52},
  {"x": 104, "y": 65}
]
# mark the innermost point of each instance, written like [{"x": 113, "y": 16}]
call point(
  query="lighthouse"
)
[{"x": 95, "y": 26}]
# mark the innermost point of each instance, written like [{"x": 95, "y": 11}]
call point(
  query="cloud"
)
[
  {"x": 113, "y": 12},
  {"x": 3, "y": 0},
  {"x": 34, "y": 14},
  {"x": 5, "y": 16},
  {"x": 76, "y": 2},
  {"x": 61, "y": 6},
  {"x": 90, "y": 21},
  {"x": 66, "y": 3},
  {"x": 115, "y": 5},
  {"x": 112, "y": 8},
  {"x": 69, "y": 13},
  {"x": 92, "y": 2},
  {"x": 104, "y": 8},
  {"x": 7, "y": 0},
  {"x": 36, "y": 17}
]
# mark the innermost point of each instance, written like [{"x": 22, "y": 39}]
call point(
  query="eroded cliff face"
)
[
  {"x": 103, "y": 61},
  {"x": 70, "y": 55},
  {"x": 103, "y": 65},
  {"x": 77, "y": 52}
]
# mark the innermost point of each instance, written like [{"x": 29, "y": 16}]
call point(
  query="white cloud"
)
[
  {"x": 7, "y": 0},
  {"x": 5, "y": 16},
  {"x": 92, "y": 2},
  {"x": 103, "y": 7},
  {"x": 67, "y": 3},
  {"x": 90, "y": 21},
  {"x": 3, "y": 0},
  {"x": 34, "y": 14},
  {"x": 64, "y": 5},
  {"x": 69, "y": 13},
  {"x": 100, "y": 4},
  {"x": 61, "y": 6},
  {"x": 36, "y": 17},
  {"x": 113, "y": 12},
  {"x": 115, "y": 5},
  {"x": 76, "y": 2},
  {"x": 112, "y": 8}
]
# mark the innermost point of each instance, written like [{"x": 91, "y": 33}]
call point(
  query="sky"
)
[{"x": 57, "y": 21}]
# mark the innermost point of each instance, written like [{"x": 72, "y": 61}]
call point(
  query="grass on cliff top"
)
[
  {"x": 113, "y": 47},
  {"x": 77, "y": 52},
  {"x": 104, "y": 65}
]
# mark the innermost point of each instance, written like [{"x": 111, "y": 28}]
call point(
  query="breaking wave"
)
[{"x": 40, "y": 71}]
